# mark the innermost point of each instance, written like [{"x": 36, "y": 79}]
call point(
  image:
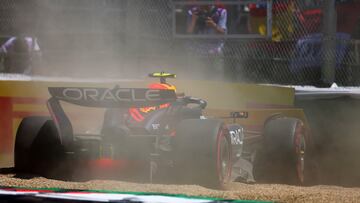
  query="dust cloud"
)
[
  {"x": 335, "y": 132},
  {"x": 107, "y": 39}
]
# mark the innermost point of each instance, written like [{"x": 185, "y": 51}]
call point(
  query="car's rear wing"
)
[
  {"x": 113, "y": 98},
  {"x": 100, "y": 98}
]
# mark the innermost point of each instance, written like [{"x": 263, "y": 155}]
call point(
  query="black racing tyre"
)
[
  {"x": 203, "y": 153},
  {"x": 45, "y": 154},
  {"x": 286, "y": 154},
  {"x": 27, "y": 132}
]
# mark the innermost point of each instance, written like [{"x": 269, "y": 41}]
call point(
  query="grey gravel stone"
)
[{"x": 274, "y": 192}]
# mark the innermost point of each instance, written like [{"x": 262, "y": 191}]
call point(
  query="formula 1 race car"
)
[
  {"x": 154, "y": 134},
  {"x": 174, "y": 137}
]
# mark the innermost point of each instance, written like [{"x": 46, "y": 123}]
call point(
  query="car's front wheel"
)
[{"x": 286, "y": 155}]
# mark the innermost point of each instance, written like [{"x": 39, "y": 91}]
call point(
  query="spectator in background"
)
[
  {"x": 18, "y": 54},
  {"x": 282, "y": 22},
  {"x": 208, "y": 20}
]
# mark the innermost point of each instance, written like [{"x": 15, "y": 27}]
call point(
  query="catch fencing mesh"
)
[{"x": 129, "y": 38}]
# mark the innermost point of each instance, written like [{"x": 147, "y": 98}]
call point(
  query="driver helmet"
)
[
  {"x": 158, "y": 86},
  {"x": 138, "y": 113}
]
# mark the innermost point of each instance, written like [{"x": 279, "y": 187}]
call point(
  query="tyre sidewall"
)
[
  {"x": 279, "y": 156},
  {"x": 47, "y": 153},
  {"x": 197, "y": 145},
  {"x": 27, "y": 132}
]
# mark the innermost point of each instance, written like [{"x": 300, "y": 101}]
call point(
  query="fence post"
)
[
  {"x": 329, "y": 43},
  {"x": 269, "y": 19}
]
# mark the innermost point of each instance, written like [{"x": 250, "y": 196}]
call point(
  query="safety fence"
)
[{"x": 129, "y": 38}]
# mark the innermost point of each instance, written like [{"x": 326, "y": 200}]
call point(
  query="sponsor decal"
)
[
  {"x": 236, "y": 136},
  {"x": 117, "y": 97},
  {"x": 155, "y": 126}
]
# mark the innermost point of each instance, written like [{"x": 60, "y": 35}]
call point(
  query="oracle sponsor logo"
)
[{"x": 114, "y": 95}]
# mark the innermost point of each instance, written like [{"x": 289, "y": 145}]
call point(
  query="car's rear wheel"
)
[
  {"x": 26, "y": 134},
  {"x": 203, "y": 153},
  {"x": 38, "y": 148}
]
